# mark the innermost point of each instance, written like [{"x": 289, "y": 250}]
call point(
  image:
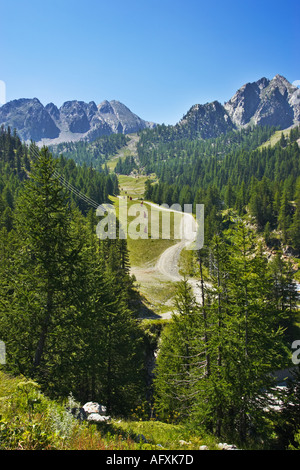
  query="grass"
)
[
  {"x": 157, "y": 435},
  {"x": 31, "y": 421},
  {"x": 127, "y": 150},
  {"x": 275, "y": 138},
  {"x": 132, "y": 185},
  {"x": 144, "y": 252}
]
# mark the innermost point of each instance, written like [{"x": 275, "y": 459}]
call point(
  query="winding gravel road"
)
[
  {"x": 168, "y": 262},
  {"x": 166, "y": 267}
]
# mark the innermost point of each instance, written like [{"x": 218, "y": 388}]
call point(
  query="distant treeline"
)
[
  {"x": 94, "y": 153},
  {"x": 16, "y": 159},
  {"x": 126, "y": 166}
]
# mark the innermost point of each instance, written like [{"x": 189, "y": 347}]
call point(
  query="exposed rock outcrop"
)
[
  {"x": 266, "y": 102},
  {"x": 206, "y": 121}
]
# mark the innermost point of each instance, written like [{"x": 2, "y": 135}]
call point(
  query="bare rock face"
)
[
  {"x": 73, "y": 121},
  {"x": 73, "y": 115},
  {"x": 206, "y": 121},
  {"x": 30, "y": 118},
  {"x": 244, "y": 104},
  {"x": 266, "y": 102}
]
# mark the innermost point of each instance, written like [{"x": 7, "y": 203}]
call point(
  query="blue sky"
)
[{"x": 158, "y": 57}]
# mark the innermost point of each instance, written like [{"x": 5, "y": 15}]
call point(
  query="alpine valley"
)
[{"x": 137, "y": 342}]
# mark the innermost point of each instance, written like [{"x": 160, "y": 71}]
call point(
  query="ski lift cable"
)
[
  {"x": 74, "y": 190},
  {"x": 70, "y": 187}
]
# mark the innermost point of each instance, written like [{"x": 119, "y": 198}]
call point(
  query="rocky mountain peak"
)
[
  {"x": 274, "y": 102},
  {"x": 74, "y": 120},
  {"x": 30, "y": 118},
  {"x": 265, "y": 102},
  {"x": 105, "y": 107},
  {"x": 53, "y": 111},
  {"x": 206, "y": 121}
]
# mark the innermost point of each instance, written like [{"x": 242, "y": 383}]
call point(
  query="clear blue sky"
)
[{"x": 159, "y": 57}]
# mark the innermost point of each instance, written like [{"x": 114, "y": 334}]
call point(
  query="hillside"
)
[
  {"x": 31, "y": 421},
  {"x": 74, "y": 320}
]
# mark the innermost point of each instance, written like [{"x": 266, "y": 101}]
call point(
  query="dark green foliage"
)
[
  {"x": 66, "y": 298},
  {"x": 215, "y": 359},
  {"x": 227, "y": 172},
  {"x": 16, "y": 160},
  {"x": 126, "y": 166},
  {"x": 94, "y": 184},
  {"x": 93, "y": 154},
  {"x": 288, "y": 422}
]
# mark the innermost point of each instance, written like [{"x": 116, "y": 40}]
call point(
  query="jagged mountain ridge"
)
[
  {"x": 265, "y": 102},
  {"x": 273, "y": 102},
  {"x": 206, "y": 121},
  {"x": 73, "y": 121}
]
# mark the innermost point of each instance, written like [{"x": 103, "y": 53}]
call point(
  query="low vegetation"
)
[{"x": 31, "y": 421}]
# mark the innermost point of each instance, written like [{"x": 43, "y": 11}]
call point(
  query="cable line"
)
[{"x": 69, "y": 186}]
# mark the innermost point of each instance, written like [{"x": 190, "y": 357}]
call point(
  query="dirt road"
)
[{"x": 167, "y": 266}]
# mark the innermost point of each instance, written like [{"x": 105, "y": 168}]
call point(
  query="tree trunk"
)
[{"x": 42, "y": 340}]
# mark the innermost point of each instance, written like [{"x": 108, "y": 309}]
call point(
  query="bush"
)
[{"x": 24, "y": 434}]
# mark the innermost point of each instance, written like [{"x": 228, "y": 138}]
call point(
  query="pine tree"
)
[
  {"x": 179, "y": 366},
  {"x": 110, "y": 359},
  {"x": 295, "y": 226},
  {"x": 250, "y": 330},
  {"x": 284, "y": 217},
  {"x": 238, "y": 334},
  {"x": 44, "y": 273}
]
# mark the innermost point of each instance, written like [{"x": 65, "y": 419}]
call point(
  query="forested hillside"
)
[
  {"x": 229, "y": 172},
  {"x": 94, "y": 153},
  {"x": 216, "y": 359},
  {"x": 69, "y": 309},
  {"x": 66, "y": 314}
]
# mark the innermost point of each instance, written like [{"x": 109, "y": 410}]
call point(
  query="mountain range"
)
[
  {"x": 73, "y": 121},
  {"x": 265, "y": 102}
]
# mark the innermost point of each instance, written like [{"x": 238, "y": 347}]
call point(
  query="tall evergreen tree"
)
[
  {"x": 179, "y": 363},
  {"x": 44, "y": 273},
  {"x": 243, "y": 339}
]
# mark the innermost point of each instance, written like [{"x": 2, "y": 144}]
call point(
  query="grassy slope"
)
[
  {"x": 30, "y": 421},
  {"x": 143, "y": 253},
  {"x": 128, "y": 150},
  {"x": 275, "y": 138}
]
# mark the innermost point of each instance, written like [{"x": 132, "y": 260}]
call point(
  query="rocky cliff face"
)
[
  {"x": 206, "y": 121},
  {"x": 30, "y": 118},
  {"x": 73, "y": 121},
  {"x": 266, "y": 102},
  {"x": 273, "y": 102}
]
